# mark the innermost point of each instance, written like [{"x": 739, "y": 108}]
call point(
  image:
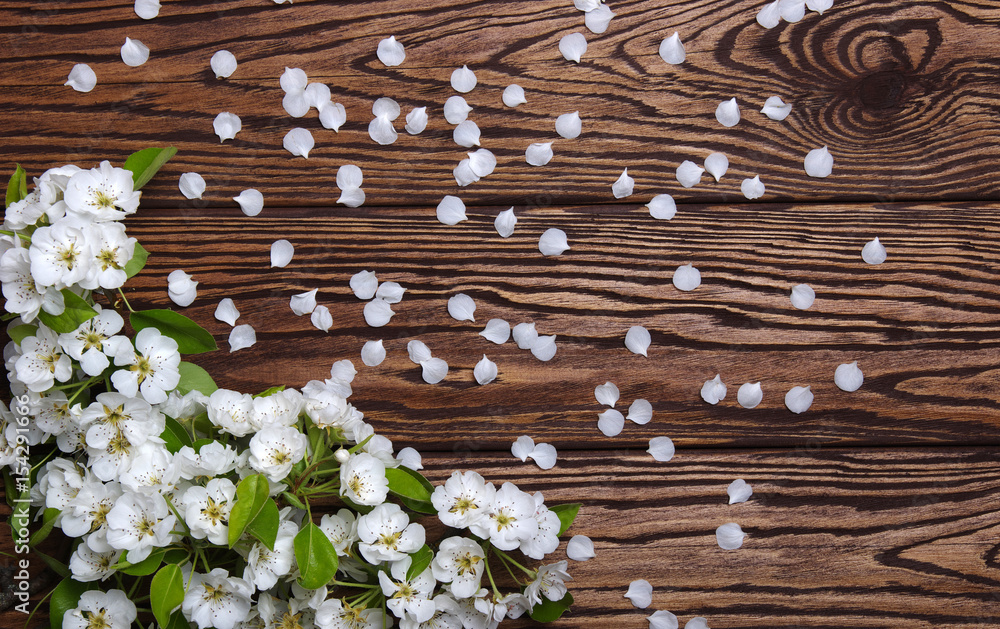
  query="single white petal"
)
[
  {"x": 874, "y": 252},
  {"x": 739, "y": 491},
  {"x": 775, "y": 109},
  {"x": 610, "y": 422},
  {"x": 580, "y": 548},
  {"x": 416, "y": 121},
  {"x": 482, "y": 162},
  {"x": 461, "y": 307},
  {"x": 662, "y": 620},
  {"x": 686, "y": 278},
  {"x": 317, "y": 95},
  {"x": 381, "y": 130},
  {"x": 637, "y": 340},
  {"x": 433, "y": 370},
  {"x": 418, "y": 351},
  {"x": 640, "y": 412},
  {"x": 698, "y": 622},
  {"x": 293, "y": 80},
  {"x": 569, "y": 125},
  {"x": 191, "y": 185},
  {"x": 770, "y": 15},
  {"x": 799, "y": 399},
  {"x": 134, "y": 52},
  {"x": 226, "y": 311},
  {"x": 819, "y": 162},
  {"x": 663, "y": 207},
  {"x": 717, "y": 164},
  {"x": 607, "y": 394},
  {"x": 295, "y": 104},
  {"x": 640, "y": 592},
  {"x": 538, "y": 153},
  {"x": 303, "y": 303},
  {"x": 251, "y": 201},
  {"x": 714, "y": 390},
  {"x": 390, "y": 52},
  {"x": 672, "y": 50},
  {"x": 573, "y": 46},
  {"x": 553, "y": 242},
  {"x": 525, "y": 335},
  {"x": 752, "y": 188},
  {"x": 849, "y": 377},
  {"x": 352, "y": 197},
  {"x": 373, "y": 353},
  {"x": 598, "y": 19},
  {"x": 451, "y": 210},
  {"x": 408, "y": 457},
  {"x": 364, "y": 284},
  {"x": 377, "y": 313},
  {"x": 544, "y": 455},
  {"x": 505, "y": 222},
  {"x": 464, "y": 174},
  {"x": 281, "y": 253},
  {"x": 463, "y": 80},
  {"x": 792, "y": 10},
  {"x": 485, "y": 371},
  {"x": 544, "y": 348},
  {"x": 147, "y": 9},
  {"x": 661, "y": 448},
  {"x": 819, "y": 6},
  {"x": 456, "y": 110},
  {"x": 223, "y": 64},
  {"x": 513, "y": 95},
  {"x": 81, "y": 78},
  {"x": 386, "y": 107},
  {"x": 728, "y": 113},
  {"x": 496, "y": 331},
  {"x": 803, "y": 296},
  {"x": 321, "y": 318},
  {"x": 623, "y": 186},
  {"x": 332, "y": 116},
  {"x": 749, "y": 394},
  {"x": 299, "y": 141},
  {"x": 241, "y": 337},
  {"x": 349, "y": 176},
  {"x": 587, "y": 5},
  {"x": 391, "y": 292},
  {"x": 729, "y": 536},
  {"x": 689, "y": 173},
  {"x": 466, "y": 134},
  {"x": 522, "y": 447}
]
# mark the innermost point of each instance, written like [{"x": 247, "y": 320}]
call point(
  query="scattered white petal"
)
[
  {"x": 587, "y": 5},
  {"x": 317, "y": 95},
  {"x": 461, "y": 307},
  {"x": 295, "y": 104},
  {"x": 482, "y": 162},
  {"x": 803, "y": 296},
  {"x": 390, "y": 52},
  {"x": 775, "y": 109},
  {"x": 607, "y": 394},
  {"x": 538, "y": 153},
  {"x": 416, "y": 121},
  {"x": 569, "y": 125},
  {"x": 352, "y": 197},
  {"x": 134, "y": 52},
  {"x": 226, "y": 311},
  {"x": 496, "y": 331},
  {"x": 698, "y": 622},
  {"x": 729, "y": 536},
  {"x": 662, "y": 620},
  {"x": 513, "y": 95},
  {"x": 874, "y": 252},
  {"x": 849, "y": 376},
  {"x": 433, "y": 370},
  {"x": 544, "y": 348},
  {"x": 332, "y": 116},
  {"x": 456, "y": 110},
  {"x": 799, "y": 399},
  {"x": 663, "y": 207},
  {"x": 819, "y": 162},
  {"x": 466, "y": 134},
  {"x": 251, "y": 201},
  {"x": 749, "y": 394},
  {"x": 241, "y": 337},
  {"x": 714, "y": 390},
  {"x": 147, "y": 9},
  {"x": 623, "y": 186},
  {"x": 728, "y": 113},
  {"x": 610, "y": 422},
  {"x": 349, "y": 176},
  {"x": 553, "y": 242},
  {"x": 717, "y": 164},
  {"x": 81, "y": 78},
  {"x": 463, "y": 80},
  {"x": 739, "y": 491},
  {"x": 522, "y": 448},
  {"x": 505, "y": 222},
  {"x": 640, "y": 592},
  {"x": 525, "y": 335},
  {"x": 464, "y": 175},
  {"x": 485, "y": 371},
  {"x": 819, "y": 6},
  {"x": 377, "y": 313},
  {"x": 364, "y": 284},
  {"x": 661, "y": 448},
  {"x": 321, "y": 318},
  {"x": 598, "y": 19},
  {"x": 410, "y": 458},
  {"x": 637, "y": 340},
  {"x": 380, "y": 130},
  {"x": 293, "y": 80},
  {"x": 386, "y": 107},
  {"x": 191, "y": 185},
  {"x": 752, "y": 188},
  {"x": 580, "y": 548},
  {"x": 223, "y": 64},
  {"x": 672, "y": 50},
  {"x": 303, "y": 303},
  {"x": 689, "y": 173},
  {"x": 281, "y": 253},
  {"x": 299, "y": 141},
  {"x": 391, "y": 292},
  {"x": 686, "y": 278},
  {"x": 792, "y": 10},
  {"x": 573, "y": 46},
  {"x": 373, "y": 353},
  {"x": 418, "y": 351},
  {"x": 544, "y": 456},
  {"x": 451, "y": 210},
  {"x": 640, "y": 412}
]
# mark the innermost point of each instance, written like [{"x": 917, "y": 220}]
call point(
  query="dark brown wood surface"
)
[{"x": 877, "y": 508}]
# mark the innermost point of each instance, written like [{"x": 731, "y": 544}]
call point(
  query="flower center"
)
[
  {"x": 503, "y": 520},
  {"x": 100, "y": 516},
  {"x": 389, "y": 540},
  {"x": 92, "y": 340},
  {"x": 142, "y": 367},
  {"x": 145, "y": 527},
  {"x": 96, "y": 620},
  {"x": 68, "y": 256},
  {"x": 467, "y": 563},
  {"x": 289, "y": 621},
  {"x": 108, "y": 259},
  {"x": 214, "y": 512},
  {"x": 462, "y": 505},
  {"x": 102, "y": 200}
]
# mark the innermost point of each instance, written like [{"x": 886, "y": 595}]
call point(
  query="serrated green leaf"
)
[
  {"x": 17, "y": 187},
  {"x": 166, "y": 593},
  {"x": 191, "y": 338},
  {"x": 146, "y": 566},
  {"x": 48, "y": 521},
  {"x": 174, "y": 436},
  {"x": 20, "y": 332},
  {"x": 145, "y": 163},
  {"x": 406, "y": 483},
  {"x": 138, "y": 261},
  {"x": 65, "y": 596},
  {"x": 264, "y": 527},
  {"x": 420, "y": 559},
  {"x": 567, "y": 513},
  {"x": 548, "y": 611},
  {"x": 316, "y": 557},
  {"x": 251, "y": 496},
  {"x": 194, "y": 378},
  {"x": 77, "y": 312}
]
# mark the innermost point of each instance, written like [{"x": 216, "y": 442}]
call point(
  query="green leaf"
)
[
  {"x": 316, "y": 557},
  {"x": 264, "y": 527},
  {"x": 48, "y": 521},
  {"x": 405, "y": 483},
  {"x": 292, "y": 500},
  {"x": 251, "y": 496},
  {"x": 271, "y": 391},
  {"x": 65, "y": 596},
  {"x": 20, "y": 332},
  {"x": 166, "y": 593},
  {"x": 77, "y": 312},
  {"x": 200, "y": 443},
  {"x": 176, "y": 555},
  {"x": 146, "y": 566},
  {"x": 57, "y": 566},
  {"x": 191, "y": 338},
  {"x": 194, "y": 378},
  {"x": 138, "y": 261},
  {"x": 548, "y": 611},
  {"x": 419, "y": 506},
  {"x": 146, "y": 162},
  {"x": 17, "y": 187},
  {"x": 567, "y": 513},
  {"x": 174, "y": 436},
  {"x": 421, "y": 558}
]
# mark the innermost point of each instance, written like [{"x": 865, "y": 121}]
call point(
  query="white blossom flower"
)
[
  {"x": 546, "y": 540},
  {"x": 88, "y": 565},
  {"x": 408, "y": 598},
  {"x": 101, "y": 194},
  {"x": 363, "y": 481},
  {"x": 207, "y": 510},
  {"x": 463, "y": 500},
  {"x": 86, "y": 513},
  {"x": 231, "y": 411},
  {"x": 459, "y": 563},
  {"x": 153, "y": 368},
  {"x": 339, "y": 614},
  {"x": 59, "y": 483},
  {"x": 139, "y": 522},
  {"x": 216, "y": 599},
  {"x": 152, "y": 469},
  {"x": 549, "y": 582},
  {"x": 60, "y": 254},
  {"x": 101, "y": 610},
  {"x": 264, "y": 567},
  {"x": 212, "y": 459},
  {"x": 275, "y": 449},
  {"x": 386, "y": 534},
  {"x": 22, "y": 294},
  {"x": 87, "y": 344},
  {"x": 509, "y": 519},
  {"x": 42, "y": 361},
  {"x": 341, "y": 529}
]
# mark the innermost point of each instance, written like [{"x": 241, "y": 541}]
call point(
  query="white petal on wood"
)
[
  {"x": 662, "y": 619},
  {"x": 610, "y": 422},
  {"x": 456, "y": 110},
  {"x": 433, "y": 370},
  {"x": 223, "y": 64},
  {"x": 364, "y": 284},
  {"x": 525, "y": 335},
  {"x": 874, "y": 252},
  {"x": 640, "y": 592},
  {"x": 241, "y": 337},
  {"x": 538, "y": 153},
  {"x": 332, "y": 116},
  {"x": 580, "y": 548},
  {"x": 485, "y": 371},
  {"x": 317, "y": 95},
  {"x": 819, "y": 6},
  {"x": 416, "y": 120},
  {"x": 321, "y": 318},
  {"x": 380, "y": 130},
  {"x": 299, "y": 142},
  {"x": 451, "y": 210},
  {"x": 569, "y": 125},
  {"x": 303, "y": 303},
  {"x": 505, "y": 222},
  {"x": 386, "y": 107},
  {"x": 607, "y": 394},
  {"x": 792, "y": 10},
  {"x": 82, "y": 78},
  {"x": 714, "y": 390},
  {"x": 803, "y": 296},
  {"x": 544, "y": 348},
  {"x": 461, "y": 307},
  {"x": 466, "y": 134},
  {"x": 598, "y": 19},
  {"x": 390, "y": 52},
  {"x": 463, "y": 80},
  {"x": 749, "y": 394},
  {"x": 799, "y": 399},
  {"x": 573, "y": 46},
  {"x": 689, "y": 173},
  {"x": 391, "y": 292},
  {"x": 728, "y": 113},
  {"x": 251, "y": 201},
  {"x": 227, "y": 125},
  {"x": 281, "y": 253},
  {"x": 134, "y": 52},
  {"x": 544, "y": 456},
  {"x": 661, "y": 448},
  {"x": 147, "y": 9},
  {"x": 293, "y": 80},
  {"x": 717, "y": 164},
  {"x": 226, "y": 311},
  {"x": 513, "y": 95},
  {"x": 482, "y": 162},
  {"x": 686, "y": 278},
  {"x": 672, "y": 50},
  {"x": 349, "y": 176},
  {"x": 410, "y": 458},
  {"x": 377, "y": 313},
  {"x": 373, "y": 353},
  {"x": 464, "y": 175},
  {"x": 553, "y": 242},
  {"x": 662, "y": 207},
  {"x": 848, "y": 377},
  {"x": 729, "y": 536},
  {"x": 739, "y": 491},
  {"x": 819, "y": 163},
  {"x": 752, "y": 188},
  {"x": 640, "y": 412},
  {"x": 191, "y": 185},
  {"x": 698, "y": 622},
  {"x": 776, "y": 109},
  {"x": 587, "y": 5},
  {"x": 522, "y": 447},
  {"x": 352, "y": 197},
  {"x": 496, "y": 331},
  {"x": 623, "y": 186},
  {"x": 418, "y": 351},
  {"x": 295, "y": 104},
  {"x": 637, "y": 340}
]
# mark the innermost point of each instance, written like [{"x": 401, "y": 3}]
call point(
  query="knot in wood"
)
[{"x": 881, "y": 90}]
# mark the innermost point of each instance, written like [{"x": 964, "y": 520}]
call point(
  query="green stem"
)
[
  {"x": 10, "y": 233},
  {"x": 507, "y": 558},
  {"x": 179, "y": 518},
  {"x": 489, "y": 573},
  {"x": 124, "y": 299},
  {"x": 85, "y": 386}
]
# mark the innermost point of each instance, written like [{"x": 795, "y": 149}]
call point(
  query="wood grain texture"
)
[
  {"x": 903, "y": 94},
  {"x": 894, "y": 539}
]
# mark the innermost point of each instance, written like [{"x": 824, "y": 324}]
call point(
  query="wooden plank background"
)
[{"x": 877, "y": 508}]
